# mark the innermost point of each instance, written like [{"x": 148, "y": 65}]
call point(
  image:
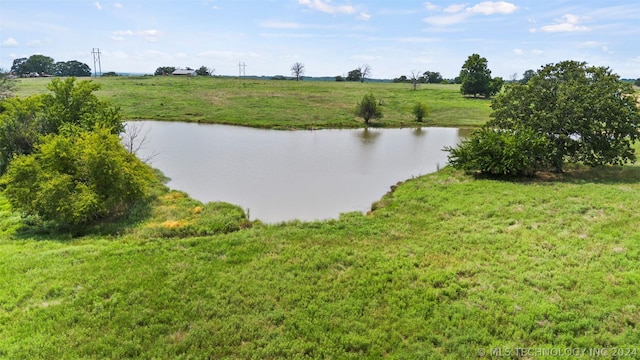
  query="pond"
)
[{"x": 284, "y": 175}]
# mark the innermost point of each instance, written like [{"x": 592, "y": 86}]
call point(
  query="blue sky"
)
[{"x": 330, "y": 37}]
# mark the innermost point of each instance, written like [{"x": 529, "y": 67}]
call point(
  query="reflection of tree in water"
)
[
  {"x": 368, "y": 137},
  {"x": 465, "y": 132},
  {"x": 419, "y": 132}
]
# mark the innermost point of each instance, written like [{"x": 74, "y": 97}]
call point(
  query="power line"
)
[
  {"x": 96, "y": 60},
  {"x": 242, "y": 69}
]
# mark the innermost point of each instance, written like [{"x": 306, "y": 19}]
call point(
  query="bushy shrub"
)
[
  {"x": 368, "y": 108},
  {"x": 77, "y": 177},
  {"x": 501, "y": 152},
  {"x": 420, "y": 111}
]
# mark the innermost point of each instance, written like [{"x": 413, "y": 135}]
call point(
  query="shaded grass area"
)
[
  {"x": 279, "y": 104},
  {"x": 445, "y": 266}
]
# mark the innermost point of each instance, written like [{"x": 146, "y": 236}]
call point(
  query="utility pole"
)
[
  {"x": 242, "y": 69},
  {"x": 96, "y": 62}
]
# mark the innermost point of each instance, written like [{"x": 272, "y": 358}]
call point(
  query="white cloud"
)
[
  {"x": 451, "y": 9},
  {"x": 327, "y": 7},
  {"x": 568, "y": 23},
  {"x": 490, "y": 8},
  {"x": 431, "y": 7},
  {"x": 443, "y": 20},
  {"x": 98, "y": 6},
  {"x": 118, "y": 5},
  {"x": 123, "y": 33},
  {"x": 518, "y": 51},
  {"x": 457, "y": 13},
  {"x": 150, "y": 35},
  {"x": 364, "y": 16},
  {"x": 10, "y": 42},
  {"x": 537, "y": 52}
]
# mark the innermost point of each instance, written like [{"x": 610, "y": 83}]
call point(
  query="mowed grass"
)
[
  {"x": 445, "y": 266},
  {"x": 279, "y": 104}
]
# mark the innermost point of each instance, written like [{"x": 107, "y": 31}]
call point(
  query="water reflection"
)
[
  {"x": 284, "y": 175},
  {"x": 368, "y": 136}
]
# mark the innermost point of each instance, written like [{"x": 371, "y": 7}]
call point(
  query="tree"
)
[
  {"x": 77, "y": 177},
  {"x": 354, "y": 75},
  {"x": 368, "y": 108},
  {"x": 204, "y": 71},
  {"x": 637, "y": 83},
  {"x": 7, "y": 85},
  {"x": 21, "y": 124},
  {"x": 501, "y": 152},
  {"x": 432, "y": 77},
  {"x": 401, "y": 79},
  {"x": 72, "y": 68},
  {"x": 415, "y": 78},
  {"x": 18, "y": 68},
  {"x": 365, "y": 71},
  {"x": 25, "y": 120},
  {"x": 297, "y": 70},
  {"x": 39, "y": 64},
  {"x": 165, "y": 70},
  {"x": 75, "y": 103},
  {"x": 476, "y": 78},
  {"x": 420, "y": 111},
  {"x": 584, "y": 114},
  {"x": 526, "y": 76}
]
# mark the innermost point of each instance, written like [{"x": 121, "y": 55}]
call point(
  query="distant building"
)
[{"x": 184, "y": 72}]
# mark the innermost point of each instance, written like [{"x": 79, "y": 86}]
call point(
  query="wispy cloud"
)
[
  {"x": 97, "y": 5},
  {"x": 118, "y": 5},
  {"x": 431, "y": 7},
  {"x": 269, "y": 24},
  {"x": 327, "y": 7},
  {"x": 150, "y": 35},
  {"x": 490, "y": 8},
  {"x": 451, "y": 9},
  {"x": 457, "y": 13},
  {"x": 364, "y": 16},
  {"x": 10, "y": 42},
  {"x": 568, "y": 23}
]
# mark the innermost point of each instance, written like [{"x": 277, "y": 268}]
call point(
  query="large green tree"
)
[
  {"x": 72, "y": 68},
  {"x": 39, "y": 64},
  {"x": 583, "y": 113},
  {"x": 476, "y": 78},
  {"x": 354, "y": 75}
]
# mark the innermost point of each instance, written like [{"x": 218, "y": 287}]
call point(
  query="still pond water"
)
[{"x": 286, "y": 175}]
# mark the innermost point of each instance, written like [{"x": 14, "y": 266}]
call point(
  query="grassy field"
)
[
  {"x": 278, "y": 104},
  {"x": 446, "y": 266}
]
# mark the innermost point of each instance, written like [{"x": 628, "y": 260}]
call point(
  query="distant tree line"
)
[{"x": 40, "y": 65}]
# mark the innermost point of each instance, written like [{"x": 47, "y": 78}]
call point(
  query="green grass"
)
[
  {"x": 278, "y": 104},
  {"x": 445, "y": 265}
]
